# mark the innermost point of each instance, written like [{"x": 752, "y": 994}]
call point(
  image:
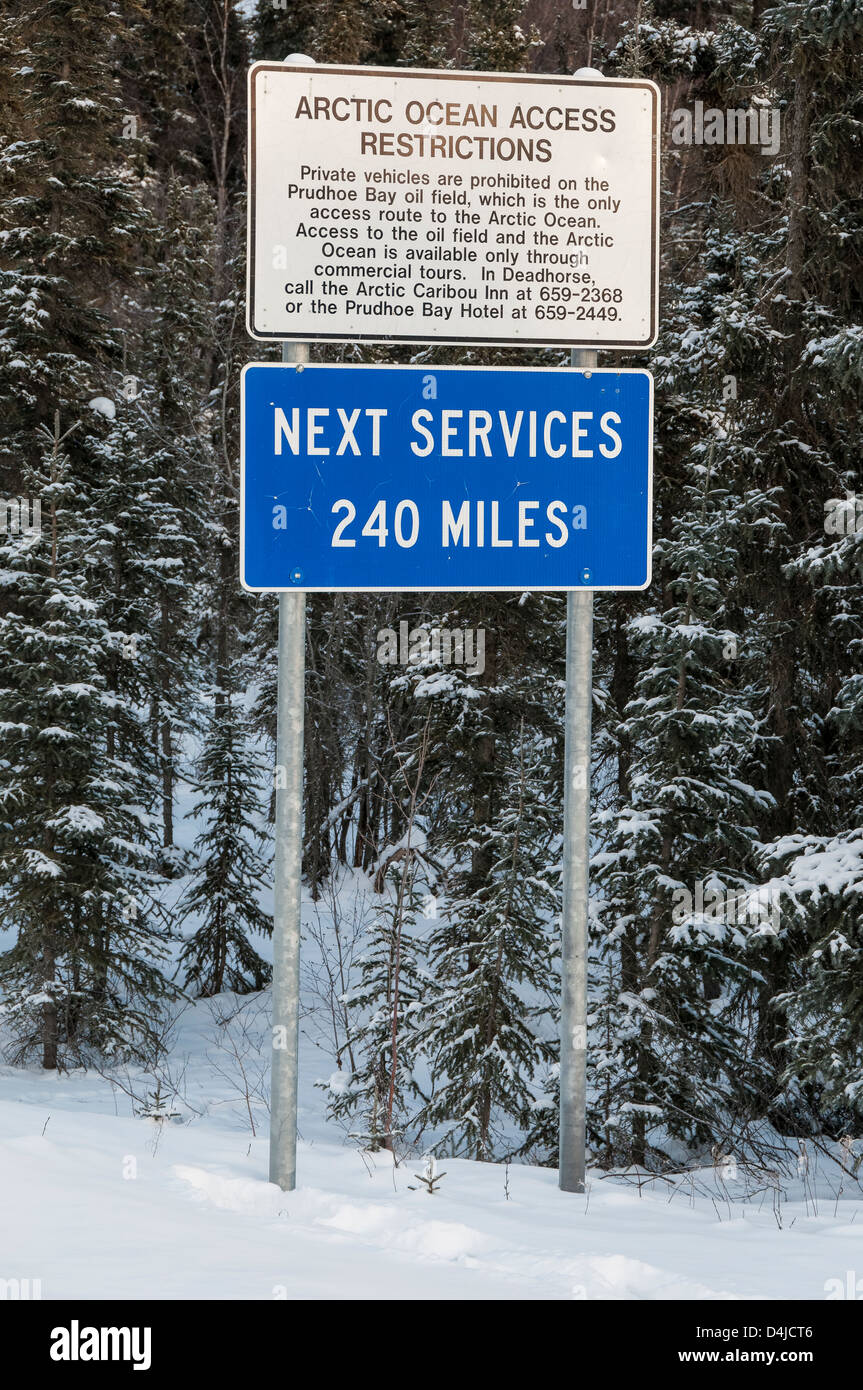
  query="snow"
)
[
  {"x": 93, "y": 1181},
  {"x": 817, "y": 865},
  {"x": 35, "y": 862},
  {"x": 82, "y": 819},
  {"x": 103, "y": 406}
]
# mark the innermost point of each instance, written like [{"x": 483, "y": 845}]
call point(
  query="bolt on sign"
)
[{"x": 389, "y": 205}]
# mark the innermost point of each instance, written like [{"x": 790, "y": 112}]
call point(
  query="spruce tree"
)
[
  {"x": 492, "y": 956},
  {"x": 73, "y": 225},
  {"x": 428, "y": 34},
  {"x": 75, "y": 842},
  {"x": 382, "y": 1009},
  {"x": 224, "y": 887},
  {"x": 166, "y": 387},
  {"x": 495, "y": 39}
]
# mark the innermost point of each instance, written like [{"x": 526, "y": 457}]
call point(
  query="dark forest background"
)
[{"x": 728, "y": 698}]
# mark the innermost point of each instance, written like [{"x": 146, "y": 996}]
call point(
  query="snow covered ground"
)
[{"x": 99, "y": 1202}]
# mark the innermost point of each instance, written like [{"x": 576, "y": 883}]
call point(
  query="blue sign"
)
[{"x": 365, "y": 477}]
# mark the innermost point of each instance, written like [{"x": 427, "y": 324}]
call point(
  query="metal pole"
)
[
  {"x": 576, "y": 857},
  {"x": 288, "y": 875},
  {"x": 576, "y": 861},
  {"x": 287, "y": 889}
]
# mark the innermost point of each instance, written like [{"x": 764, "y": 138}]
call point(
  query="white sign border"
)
[
  {"x": 444, "y": 588},
  {"x": 435, "y": 338}
]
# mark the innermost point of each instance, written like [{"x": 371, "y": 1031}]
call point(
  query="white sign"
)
[{"x": 395, "y": 205}]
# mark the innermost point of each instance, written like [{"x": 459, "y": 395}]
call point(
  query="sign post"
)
[
  {"x": 572, "y": 1158},
  {"x": 287, "y": 887},
  {"x": 288, "y": 846},
  {"x": 406, "y": 206},
  {"x": 575, "y": 918}
]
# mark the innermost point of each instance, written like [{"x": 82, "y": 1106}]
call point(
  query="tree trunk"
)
[{"x": 49, "y": 1008}]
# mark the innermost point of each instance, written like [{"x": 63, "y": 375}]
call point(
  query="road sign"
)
[
  {"x": 420, "y": 478},
  {"x": 393, "y": 205}
]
